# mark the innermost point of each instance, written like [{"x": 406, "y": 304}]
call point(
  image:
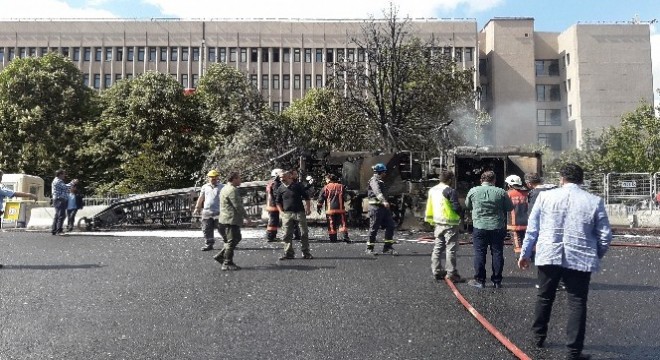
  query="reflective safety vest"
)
[{"x": 439, "y": 209}]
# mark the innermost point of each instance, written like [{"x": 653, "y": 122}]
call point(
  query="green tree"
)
[
  {"x": 323, "y": 119},
  {"x": 245, "y": 132},
  {"x": 147, "y": 124},
  {"x": 43, "y": 107},
  {"x": 408, "y": 89},
  {"x": 632, "y": 146}
]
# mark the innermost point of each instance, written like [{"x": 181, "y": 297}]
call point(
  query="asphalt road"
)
[{"x": 145, "y": 297}]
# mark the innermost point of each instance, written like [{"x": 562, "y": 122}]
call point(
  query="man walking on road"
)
[
  {"x": 208, "y": 206},
  {"x": 489, "y": 205},
  {"x": 232, "y": 215},
  {"x": 380, "y": 215},
  {"x": 443, "y": 211},
  {"x": 290, "y": 198},
  {"x": 60, "y": 193},
  {"x": 571, "y": 232}
]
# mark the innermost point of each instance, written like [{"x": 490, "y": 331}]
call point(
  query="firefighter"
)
[
  {"x": 271, "y": 206},
  {"x": 516, "y": 222},
  {"x": 333, "y": 195},
  {"x": 380, "y": 214}
]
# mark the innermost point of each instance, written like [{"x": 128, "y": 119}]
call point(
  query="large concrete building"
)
[
  {"x": 552, "y": 86},
  {"x": 538, "y": 87}
]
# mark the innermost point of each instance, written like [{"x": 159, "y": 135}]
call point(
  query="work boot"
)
[
  {"x": 229, "y": 267},
  {"x": 220, "y": 257},
  {"x": 389, "y": 249},
  {"x": 287, "y": 257},
  {"x": 208, "y": 247},
  {"x": 455, "y": 278},
  {"x": 307, "y": 255}
]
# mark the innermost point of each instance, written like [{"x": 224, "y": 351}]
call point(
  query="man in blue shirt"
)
[
  {"x": 60, "y": 194},
  {"x": 571, "y": 232},
  {"x": 7, "y": 193}
]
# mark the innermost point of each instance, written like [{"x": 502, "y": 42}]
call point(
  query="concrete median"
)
[{"x": 42, "y": 217}]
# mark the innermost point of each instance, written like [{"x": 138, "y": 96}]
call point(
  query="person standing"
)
[
  {"x": 516, "y": 221},
  {"x": 208, "y": 206},
  {"x": 8, "y": 193},
  {"x": 380, "y": 214},
  {"x": 534, "y": 182},
  {"x": 443, "y": 211},
  {"x": 571, "y": 232},
  {"x": 74, "y": 203},
  {"x": 489, "y": 205},
  {"x": 333, "y": 195},
  {"x": 60, "y": 193},
  {"x": 232, "y": 216},
  {"x": 290, "y": 198},
  {"x": 271, "y": 206},
  {"x": 536, "y": 186}
]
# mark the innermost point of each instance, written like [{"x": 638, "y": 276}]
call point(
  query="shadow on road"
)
[
  {"x": 51, "y": 267},
  {"x": 287, "y": 267}
]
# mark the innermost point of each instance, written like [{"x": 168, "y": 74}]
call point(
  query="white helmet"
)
[
  {"x": 513, "y": 180},
  {"x": 276, "y": 172}
]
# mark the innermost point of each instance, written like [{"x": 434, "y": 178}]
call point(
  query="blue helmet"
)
[{"x": 379, "y": 168}]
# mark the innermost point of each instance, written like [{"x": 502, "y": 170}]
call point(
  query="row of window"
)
[
  {"x": 108, "y": 80},
  {"x": 221, "y": 54},
  {"x": 273, "y": 81}
]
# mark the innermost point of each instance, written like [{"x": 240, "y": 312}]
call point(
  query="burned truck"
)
[
  {"x": 468, "y": 163},
  {"x": 404, "y": 180}
]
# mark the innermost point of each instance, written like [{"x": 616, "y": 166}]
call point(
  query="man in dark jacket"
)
[
  {"x": 380, "y": 214},
  {"x": 290, "y": 196}
]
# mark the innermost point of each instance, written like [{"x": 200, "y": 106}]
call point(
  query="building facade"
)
[
  {"x": 549, "y": 87},
  {"x": 538, "y": 87}
]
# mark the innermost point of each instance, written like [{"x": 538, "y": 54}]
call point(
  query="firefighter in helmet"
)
[
  {"x": 380, "y": 214},
  {"x": 271, "y": 207},
  {"x": 333, "y": 195},
  {"x": 516, "y": 222}
]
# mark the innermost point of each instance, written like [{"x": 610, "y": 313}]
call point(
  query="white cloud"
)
[
  {"x": 337, "y": 9},
  {"x": 12, "y": 9}
]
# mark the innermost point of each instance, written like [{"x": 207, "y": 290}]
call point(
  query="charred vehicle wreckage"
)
[{"x": 408, "y": 179}]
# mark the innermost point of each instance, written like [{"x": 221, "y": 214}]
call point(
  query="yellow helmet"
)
[{"x": 213, "y": 173}]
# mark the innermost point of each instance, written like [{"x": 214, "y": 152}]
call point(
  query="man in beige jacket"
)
[{"x": 232, "y": 215}]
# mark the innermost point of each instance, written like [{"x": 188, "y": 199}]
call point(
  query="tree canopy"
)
[
  {"x": 43, "y": 106},
  {"x": 632, "y": 146},
  {"x": 406, "y": 89}
]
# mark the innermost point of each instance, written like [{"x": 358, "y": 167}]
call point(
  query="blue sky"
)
[{"x": 555, "y": 15}]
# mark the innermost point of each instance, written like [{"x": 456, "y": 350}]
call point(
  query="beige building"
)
[
  {"x": 550, "y": 87},
  {"x": 538, "y": 87}
]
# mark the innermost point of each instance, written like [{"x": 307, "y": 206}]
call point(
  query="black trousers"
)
[
  {"x": 577, "y": 291},
  {"x": 60, "y": 214},
  {"x": 71, "y": 218}
]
